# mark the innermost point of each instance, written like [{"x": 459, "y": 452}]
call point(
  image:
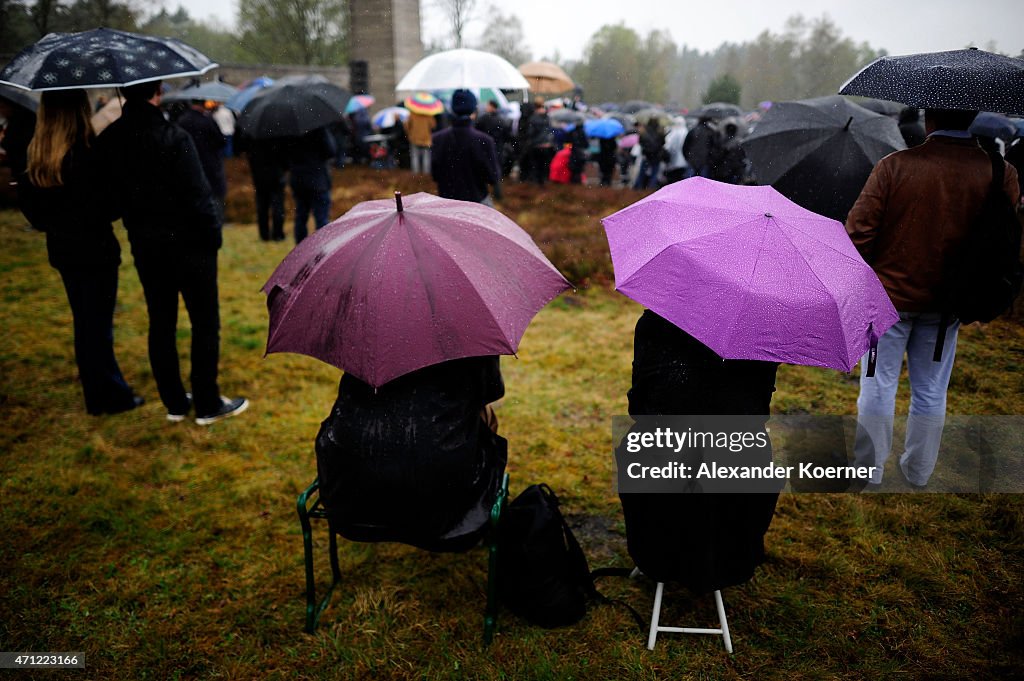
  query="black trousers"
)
[
  {"x": 92, "y": 293},
  {"x": 164, "y": 275},
  {"x": 270, "y": 211}
]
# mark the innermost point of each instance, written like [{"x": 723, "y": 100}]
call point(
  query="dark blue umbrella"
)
[
  {"x": 972, "y": 80},
  {"x": 987, "y": 124},
  {"x": 101, "y": 57},
  {"x": 246, "y": 95},
  {"x": 603, "y": 128}
]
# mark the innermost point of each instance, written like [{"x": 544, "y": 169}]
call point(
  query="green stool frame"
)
[{"x": 309, "y": 506}]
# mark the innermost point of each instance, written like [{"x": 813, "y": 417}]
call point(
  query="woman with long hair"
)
[{"x": 60, "y": 195}]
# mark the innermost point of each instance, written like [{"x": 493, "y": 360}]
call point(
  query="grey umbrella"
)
[
  {"x": 214, "y": 91},
  {"x": 718, "y": 110},
  {"x": 25, "y": 100},
  {"x": 969, "y": 79}
]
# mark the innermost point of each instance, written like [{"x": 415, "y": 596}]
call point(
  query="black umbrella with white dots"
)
[{"x": 972, "y": 79}]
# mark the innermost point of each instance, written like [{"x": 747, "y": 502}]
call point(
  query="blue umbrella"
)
[
  {"x": 243, "y": 97},
  {"x": 214, "y": 91},
  {"x": 603, "y": 128},
  {"x": 987, "y": 124}
]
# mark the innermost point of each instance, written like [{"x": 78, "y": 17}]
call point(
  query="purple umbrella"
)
[
  {"x": 749, "y": 273},
  {"x": 382, "y": 292}
]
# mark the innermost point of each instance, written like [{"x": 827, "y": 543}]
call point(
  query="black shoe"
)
[
  {"x": 178, "y": 415},
  {"x": 134, "y": 403},
  {"x": 227, "y": 408}
]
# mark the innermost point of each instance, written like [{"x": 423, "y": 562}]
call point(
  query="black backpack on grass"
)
[
  {"x": 985, "y": 276},
  {"x": 543, "y": 574}
]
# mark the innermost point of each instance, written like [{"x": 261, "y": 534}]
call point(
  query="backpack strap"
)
[
  {"x": 940, "y": 339},
  {"x": 576, "y": 551},
  {"x": 616, "y": 572}
]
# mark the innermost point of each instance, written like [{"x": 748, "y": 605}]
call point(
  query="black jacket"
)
[
  {"x": 494, "y": 125},
  {"x": 78, "y": 233},
  {"x": 307, "y": 160},
  {"x": 209, "y": 141},
  {"x": 413, "y": 461},
  {"x": 155, "y": 182},
  {"x": 463, "y": 161}
]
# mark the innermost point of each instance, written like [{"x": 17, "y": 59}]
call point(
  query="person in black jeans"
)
[
  {"x": 310, "y": 179},
  {"x": 57, "y": 195},
  {"x": 156, "y": 184},
  {"x": 268, "y": 163}
]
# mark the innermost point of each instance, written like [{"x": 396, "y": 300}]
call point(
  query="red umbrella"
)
[{"x": 382, "y": 292}]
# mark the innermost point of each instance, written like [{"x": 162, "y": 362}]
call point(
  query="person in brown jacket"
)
[
  {"x": 419, "y": 129},
  {"x": 911, "y": 217}
]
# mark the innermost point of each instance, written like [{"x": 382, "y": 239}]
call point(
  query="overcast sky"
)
[{"x": 898, "y": 26}]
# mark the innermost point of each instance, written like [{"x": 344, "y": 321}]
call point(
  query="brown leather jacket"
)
[{"x": 915, "y": 211}]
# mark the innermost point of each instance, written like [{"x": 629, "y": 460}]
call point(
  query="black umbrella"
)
[
  {"x": 881, "y": 106},
  {"x": 971, "y": 79},
  {"x": 101, "y": 57},
  {"x": 566, "y": 116},
  {"x": 718, "y": 110},
  {"x": 293, "y": 110},
  {"x": 634, "y": 105},
  {"x": 819, "y": 152}
]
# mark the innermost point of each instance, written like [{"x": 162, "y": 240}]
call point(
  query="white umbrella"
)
[{"x": 462, "y": 68}]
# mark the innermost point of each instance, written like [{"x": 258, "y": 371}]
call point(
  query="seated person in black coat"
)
[
  {"x": 416, "y": 461},
  {"x": 703, "y": 541}
]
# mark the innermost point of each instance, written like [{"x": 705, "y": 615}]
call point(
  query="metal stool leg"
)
[
  {"x": 307, "y": 511},
  {"x": 491, "y": 613},
  {"x": 655, "y": 616},
  {"x": 656, "y": 627}
]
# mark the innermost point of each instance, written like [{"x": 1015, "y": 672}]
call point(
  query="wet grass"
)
[{"x": 171, "y": 551}]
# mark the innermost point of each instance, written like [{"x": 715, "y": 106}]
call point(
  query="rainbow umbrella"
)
[
  {"x": 424, "y": 103},
  {"x": 359, "y": 102}
]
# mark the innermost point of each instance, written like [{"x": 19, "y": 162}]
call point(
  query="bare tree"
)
[
  {"x": 460, "y": 13},
  {"x": 294, "y": 31},
  {"x": 503, "y": 36}
]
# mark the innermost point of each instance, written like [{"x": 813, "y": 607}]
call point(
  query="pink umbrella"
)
[
  {"x": 749, "y": 273},
  {"x": 382, "y": 292}
]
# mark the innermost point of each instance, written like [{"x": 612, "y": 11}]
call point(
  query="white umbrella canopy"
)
[{"x": 462, "y": 68}]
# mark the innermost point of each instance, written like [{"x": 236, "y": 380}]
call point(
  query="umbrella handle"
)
[{"x": 872, "y": 351}]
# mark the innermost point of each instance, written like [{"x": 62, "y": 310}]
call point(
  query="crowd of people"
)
[{"x": 166, "y": 181}]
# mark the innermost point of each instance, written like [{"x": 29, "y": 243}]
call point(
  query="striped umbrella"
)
[{"x": 424, "y": 103}]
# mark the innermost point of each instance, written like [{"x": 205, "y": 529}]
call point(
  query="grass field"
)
[{"x": 166, "y": 551}]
